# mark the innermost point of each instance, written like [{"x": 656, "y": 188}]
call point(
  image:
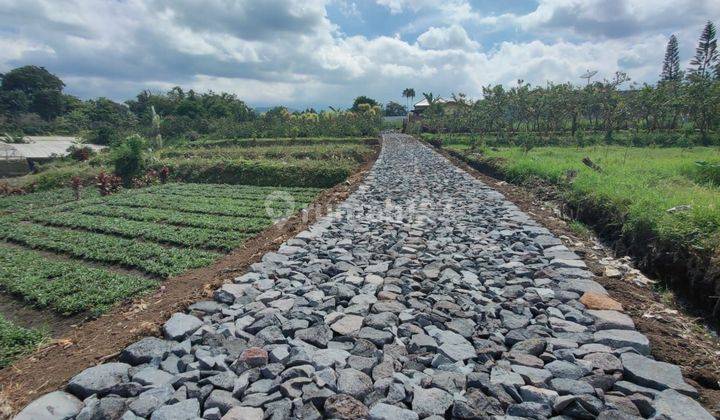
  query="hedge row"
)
[{"x": 259, "y": 172}]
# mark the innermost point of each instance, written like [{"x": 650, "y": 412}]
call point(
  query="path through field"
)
[{"x": 425, "y": 294}]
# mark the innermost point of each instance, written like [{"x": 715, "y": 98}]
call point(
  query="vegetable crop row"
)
[
  {"x": 176, "y": 235},
  {"x": 148, "y": 257},
  {"x": 67, "y": 287},
  {"x": 179, "y": 218},
  {"x": 226, "y": 207}
]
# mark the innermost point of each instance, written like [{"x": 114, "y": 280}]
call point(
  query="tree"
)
[
  {"x": 706, "y": 54},
  {"x": 408, "y": 93},
  {"x": 394, "y": 109},
  {"x": 671, "y": 64},
  {"x": 48, "y": 103},
  {"x": 14, "y": 101},
  {"x": 42, "y": 91},
  {"x": 31, "y": 80},
  {"x": 363, "y": 100}
]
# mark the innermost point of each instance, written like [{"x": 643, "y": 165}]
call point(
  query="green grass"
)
[
  {"x": 641, "y": 184},
  {"x": 67, "y": 287},
  {"x": 16, "y": 341}
]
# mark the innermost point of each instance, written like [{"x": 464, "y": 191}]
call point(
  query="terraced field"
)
[{"x": 83, "y": 256}]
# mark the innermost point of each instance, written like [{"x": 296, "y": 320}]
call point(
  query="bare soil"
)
[
  {"x": 675, "y": 335},
  {"x": 101, "y": 339}
]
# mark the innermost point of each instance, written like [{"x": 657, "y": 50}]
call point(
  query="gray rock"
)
[
  {"x": 110, "y": 407},
  {"x": 382, "y": 411},
  {"x": 455, "y": 346},
  {"x": 671, "y": 405},
  {"x": 54, "y": 405},
  {"x": 354, "y": 383},
  {"x": 221, "y": 399},
  {"x": 151, "y": 399},
  {"x": 533, "y": 376},
  {"x": 243, "y": 413},
  {"x": 145, "y": 350},
  {"x": 318, "y": 335},
  {"x": 623, "y": 338},
  {"x": 430, "y": 401},
  {"x": 152, "y": 376},
  {"x": 563, "y": 369},
  {"x": 612, "y": 320},
  {"x": 565, "y": 386},
  {"x": 348, "y": 325},
  {"x": 183, "y": 410},
  {"x": 180, "y": 326},
  {"x": 658, "y": 375},
  {"x": 98, "y": 379}
]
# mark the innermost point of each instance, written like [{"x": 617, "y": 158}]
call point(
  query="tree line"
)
[
  {"x": 684, "y": 102},
  {"x": 32, "y": 101}
]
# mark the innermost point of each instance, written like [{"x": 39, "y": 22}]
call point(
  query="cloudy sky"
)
[{"x": 326, "y": 52}]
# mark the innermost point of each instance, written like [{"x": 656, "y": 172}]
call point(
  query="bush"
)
[
  {"x": 128, "y": 157},
  {"x": 107, "y": 183},
  {"x": 81, "y": 153},
  {"x": 104, "y": 135}
]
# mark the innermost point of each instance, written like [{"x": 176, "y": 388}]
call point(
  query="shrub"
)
[
  {"x": 81, "y": 153},
  {"x": 128, "y": 157},
  {"x": 163, "y": 174},
  {"x": 107, "y": 183},
  {"x": 7, "y": 189},
  {"x": 76, "y": 185},
  {"x": 104, "y": 135},
  {"x": 151, "y": 177}
]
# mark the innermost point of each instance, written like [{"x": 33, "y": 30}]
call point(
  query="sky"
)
[{"x": 320, "y": 53}]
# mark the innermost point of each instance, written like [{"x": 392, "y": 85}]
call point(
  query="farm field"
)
[
  {"x": 83, "y": 256},
  {"x": 662, "y": 204},
  {"x": 70, "y": 256}
]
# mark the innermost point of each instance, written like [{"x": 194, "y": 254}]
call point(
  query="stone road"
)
[{"x": 425, "y": 295}]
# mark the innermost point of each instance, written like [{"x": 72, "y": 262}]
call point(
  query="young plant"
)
[{"x": 76, "y": 185}]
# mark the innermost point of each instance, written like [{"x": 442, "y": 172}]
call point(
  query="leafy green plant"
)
[
  {"x": 67, "y": 287},
  {"x": 128, "y": 157},
  {"x": 16, "y": 341}
]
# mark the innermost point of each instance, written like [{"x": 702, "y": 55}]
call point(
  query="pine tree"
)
[
  {"x": 706, "y": 54},
  {"x": 671, "y": 65}
]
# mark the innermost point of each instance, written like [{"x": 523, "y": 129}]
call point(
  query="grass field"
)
[
  {"x": 660, "y": 203},
  {"x": 642, "y": 183}
]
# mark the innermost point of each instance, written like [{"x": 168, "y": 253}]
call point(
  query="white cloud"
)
[
  {"x": 615, "y": 18},
  {"x": 395, "y": 6},
  {"x": 451, "y": 37}
]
